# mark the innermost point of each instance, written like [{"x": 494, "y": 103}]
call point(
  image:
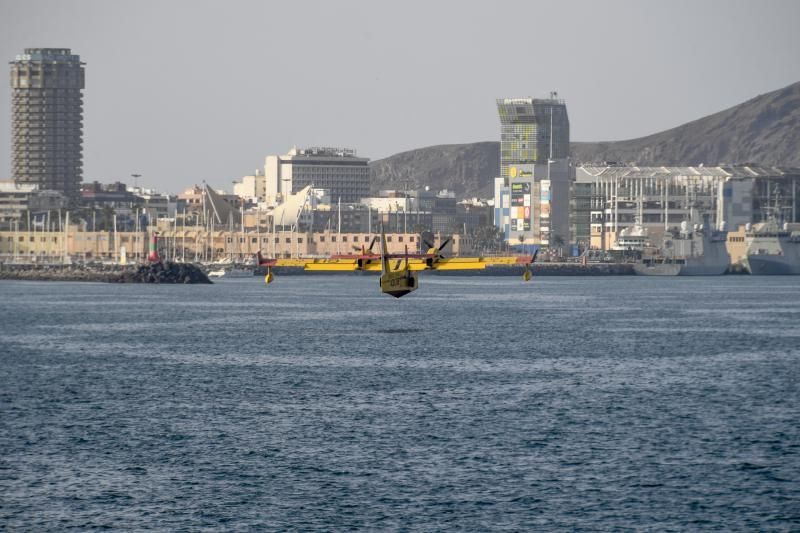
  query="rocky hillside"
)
[
  {"x": 765, "y": 130},
  {"x": 466, "y": 169}
]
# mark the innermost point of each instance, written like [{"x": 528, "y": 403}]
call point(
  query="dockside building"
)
[{"x": 608, "y": 199}]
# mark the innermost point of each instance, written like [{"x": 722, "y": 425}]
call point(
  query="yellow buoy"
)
[
  {"x": 527, "y": 274},
  {"x": 268, "y": 278}
]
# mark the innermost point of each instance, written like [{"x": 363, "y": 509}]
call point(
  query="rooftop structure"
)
[{"x": 532, "y": 130}]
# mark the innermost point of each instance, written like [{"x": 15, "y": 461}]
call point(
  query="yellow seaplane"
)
[{"x": 399, "y": 272}]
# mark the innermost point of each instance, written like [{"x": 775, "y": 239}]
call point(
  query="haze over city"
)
[{"x": 182, "y": 92}]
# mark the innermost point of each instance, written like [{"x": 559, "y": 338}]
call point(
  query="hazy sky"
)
[{"x": 186, "y": 91}]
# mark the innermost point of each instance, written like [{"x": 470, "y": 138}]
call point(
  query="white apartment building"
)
[{"x": 337, "y": 170}]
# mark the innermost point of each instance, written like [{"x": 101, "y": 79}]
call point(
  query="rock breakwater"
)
[{"x": 161, "y": 272}]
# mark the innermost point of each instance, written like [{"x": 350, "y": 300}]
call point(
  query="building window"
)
[
  {"x": 400, "y": 238},
  {"x": 344, "y": 238},
  {"x": 299, "y": 240},
  {"x": 333, "y": 238},
  {"x": 288, "y": 240},
  {"x": 322, "y": 238}
]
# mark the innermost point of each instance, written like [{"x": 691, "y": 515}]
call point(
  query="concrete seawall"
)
[{"x": 161, "y": 272}]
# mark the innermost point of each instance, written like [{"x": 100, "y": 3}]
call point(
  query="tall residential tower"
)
[
  {"x": 532, "y": 192},
  {"x": 47, "y": 119}
]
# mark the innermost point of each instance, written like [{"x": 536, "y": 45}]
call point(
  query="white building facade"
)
[{"x": 338, "y": 170}]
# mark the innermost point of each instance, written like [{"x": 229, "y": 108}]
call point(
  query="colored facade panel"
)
[
  {"x": 520, "y": 202},
  {"x": 532, "y": 131}
]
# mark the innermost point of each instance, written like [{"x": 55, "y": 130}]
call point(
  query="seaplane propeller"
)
[
  {"x": 434, "y": 251},
  {"x": 366, "y": 251},
  {"x": 438, "y": 251}
]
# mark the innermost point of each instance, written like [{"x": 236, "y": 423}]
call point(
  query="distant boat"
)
[
  {"x": 695, "y": 251},
  {"x": 632, "y": 239},
  {"x": 231, "y": 273},
  {"x": 773, "y": 250}
]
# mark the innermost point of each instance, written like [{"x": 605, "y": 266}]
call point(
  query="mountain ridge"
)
[{"x": 762, "y": 130}]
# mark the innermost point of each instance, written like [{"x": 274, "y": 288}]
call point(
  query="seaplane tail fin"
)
[{"x": 385, "y": 267}]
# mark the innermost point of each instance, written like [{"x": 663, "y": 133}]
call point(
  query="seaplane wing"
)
[
  {"x": 415, "y": 264},
  {"x": 370, "y": 264},
  {"x": 282, "y": 262},
  {"x": 478, "y": 263}
]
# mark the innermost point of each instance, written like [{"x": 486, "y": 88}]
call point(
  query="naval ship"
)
[
  {"x": 696, "y": 250},
  {"x": 773, "y": 249}
]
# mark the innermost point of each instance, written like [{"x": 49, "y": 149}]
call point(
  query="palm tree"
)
[{"x": 487, "y": 238}]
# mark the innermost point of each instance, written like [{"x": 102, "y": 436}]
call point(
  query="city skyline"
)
[{"x": 232, "y": 84}]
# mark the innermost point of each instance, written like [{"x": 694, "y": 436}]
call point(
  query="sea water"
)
[{"x": 474, "y": 403}]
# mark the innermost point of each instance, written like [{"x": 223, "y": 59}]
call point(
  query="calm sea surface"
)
[{"x": 473, "y": 404}]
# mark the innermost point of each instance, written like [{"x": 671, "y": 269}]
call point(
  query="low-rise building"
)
[
  {"x": 251, "y": 188},
  {"x": 24, "y": 202}
]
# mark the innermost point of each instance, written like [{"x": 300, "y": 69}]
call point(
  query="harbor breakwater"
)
[{"x": 160, "y": 272}]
